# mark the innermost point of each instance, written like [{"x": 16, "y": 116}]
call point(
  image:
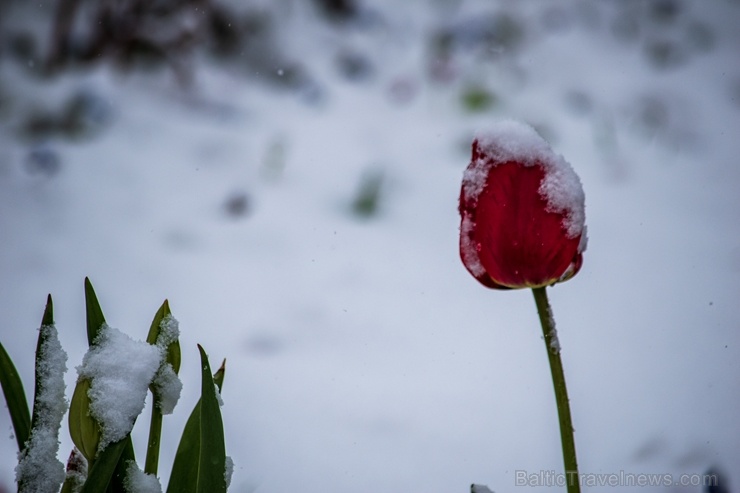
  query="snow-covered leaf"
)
[{"x": 38, "y": 467}]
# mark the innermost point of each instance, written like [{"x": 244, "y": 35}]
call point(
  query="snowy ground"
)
[{"x": 361, "y": 356}]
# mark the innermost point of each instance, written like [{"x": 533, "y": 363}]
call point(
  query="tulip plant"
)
[
  {"x": 113, "y": 380},
  {"x": 523, "y": 226}
]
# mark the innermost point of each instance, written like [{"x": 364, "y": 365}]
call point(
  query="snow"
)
[
  {"x": 470, "y": 247},
  {"x": 169, "y": 331},
  {"x": 166, "y": 381},
  {"x": 564, "y": 194},
  {"x": 39, "y": 469},
  {"x": 218, "y": 396},
  {"x": 554, "y": 341},
  {"x": 168, "y": 387},
  {"x": 229, "y": 472},
  {"x": 52, "y": 364},
  {"x": 137, "y": 481},
  {"x": 120, "y": 371},
  {"x": 583, "y": 243},
  {"x": 361, "y": 352},
  {"x": 511, "y": 140}
]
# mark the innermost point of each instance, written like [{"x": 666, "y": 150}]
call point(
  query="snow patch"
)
[
  {"x": 120, "y": 371},
  {"x": 470, "y": 247},
  {"x": 511, "y": 140},
  {"x": 167, "y": 384},
  {"x": 218, "y": 396},
  {"x": 169, "y": 331},
  {"x": 229, "y": 471},
  {"x": 554, "y": 341},
  {"x": 167, "y": 388},
  {"x": 563, "y": 193},
  {"x": 137, "y": 481},
  {"x": 38, "y": 468}
]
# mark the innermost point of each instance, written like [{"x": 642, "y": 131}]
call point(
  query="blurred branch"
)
[
  {"x": 61, "y": 31},
  {"x": 132, "y": 31}
]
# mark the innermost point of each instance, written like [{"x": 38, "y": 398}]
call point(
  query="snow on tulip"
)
[{"x": 522, "y": 211}]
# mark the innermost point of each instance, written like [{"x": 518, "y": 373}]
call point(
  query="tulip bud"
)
[{"x": 522, "y": 211}]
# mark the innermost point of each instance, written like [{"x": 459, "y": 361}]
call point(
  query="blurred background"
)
[{"x": 286, "y": 173}]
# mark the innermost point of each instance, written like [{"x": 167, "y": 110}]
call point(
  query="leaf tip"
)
[{"x": 48, "y": 318}]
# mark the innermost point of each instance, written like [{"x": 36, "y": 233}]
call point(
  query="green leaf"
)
[
  {"x": 83, "y": 428},
  {"x": 184, "y": 475},
  {"x": 173, "y": 357},
  {"x": 48, "y": 318},
  {"x": 163, "y": 311},
  {"x": 95, "y": 316},
  {"x": 15, "y": 398},
  {"x": 119, "y": 474},
  {"x": 477, "y": 99},
  {"x": 367, "y": 200},
  {"x": 173, "y": 350},
  {"x": 218, "y": 377},
  {"x": 212, "y": 460},
  {"x": 69, "y": 485},
  {"x": 106, "y": 465}
]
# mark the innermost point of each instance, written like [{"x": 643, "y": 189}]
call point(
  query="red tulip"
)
[{"x": 522, "y": 211}]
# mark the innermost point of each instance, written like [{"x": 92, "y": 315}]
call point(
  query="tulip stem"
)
[
  {"x": 155, "y": 435},
  {"x": 561, "y": 393}
]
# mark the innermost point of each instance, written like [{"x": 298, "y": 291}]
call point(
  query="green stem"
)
[
  {"x": 155, "y": 435},
  {"x": 561, "y": 393}
]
